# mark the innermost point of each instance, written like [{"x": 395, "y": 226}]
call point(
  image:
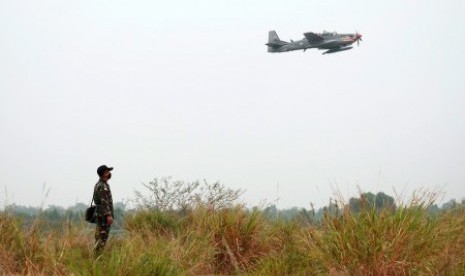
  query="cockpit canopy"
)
[{"x": 326, "y": 33}]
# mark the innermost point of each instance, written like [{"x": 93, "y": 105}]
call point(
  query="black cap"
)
[{"x": 103, "y": 169}]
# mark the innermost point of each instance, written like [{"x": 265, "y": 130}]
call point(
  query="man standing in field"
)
[{"x": 104, "y": 208}]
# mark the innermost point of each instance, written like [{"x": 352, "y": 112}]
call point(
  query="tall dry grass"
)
[{"x": 407, "y": 240}]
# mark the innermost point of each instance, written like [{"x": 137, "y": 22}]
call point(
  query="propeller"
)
[{"x": 358, "y": 37}]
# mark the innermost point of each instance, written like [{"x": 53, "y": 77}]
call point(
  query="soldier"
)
[{"x": 104, "y": 208}]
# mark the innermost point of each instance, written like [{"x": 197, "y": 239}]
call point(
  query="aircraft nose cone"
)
[{"x": 358, "y": 38}]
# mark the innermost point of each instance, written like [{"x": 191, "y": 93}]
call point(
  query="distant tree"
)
[
  {"x": 55, "y": 215},
  {"x": 450, "y": 205},
  {"x": 78, "y": 207},
  {"x": 369, "y": 200},
  {"x": 384, "y": 201},
  {"x": 331, "y": 210},
  {"x": 433, "y": 209},
  {"x": 271, "y": 211}
]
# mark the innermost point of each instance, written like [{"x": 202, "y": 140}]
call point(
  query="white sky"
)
[{"x": 186, "y": 89}]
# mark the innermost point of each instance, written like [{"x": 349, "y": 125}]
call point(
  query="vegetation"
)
[{"x": 367, "y": 236}]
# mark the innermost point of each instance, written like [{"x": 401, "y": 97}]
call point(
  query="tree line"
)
[{"x": 55, "y": 215}]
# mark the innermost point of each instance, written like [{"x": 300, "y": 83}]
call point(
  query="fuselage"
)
[{"x": 331, "y": 41}]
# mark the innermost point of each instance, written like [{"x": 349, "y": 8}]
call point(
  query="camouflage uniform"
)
[{"x": 104, "y": 207}]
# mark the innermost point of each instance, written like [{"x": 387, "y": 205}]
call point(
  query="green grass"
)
[{"x": 404, "y": 241}]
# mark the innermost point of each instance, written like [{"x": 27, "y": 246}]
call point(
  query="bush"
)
[{"x": 167, "y": 195}]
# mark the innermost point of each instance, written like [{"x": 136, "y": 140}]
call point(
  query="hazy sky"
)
[{"x": 187, "y": 89}]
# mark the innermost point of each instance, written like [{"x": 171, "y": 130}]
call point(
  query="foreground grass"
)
[{"x": 405, "y": 241}]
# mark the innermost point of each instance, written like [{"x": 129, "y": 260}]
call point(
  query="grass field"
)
[{"x": 407, "y": 240}]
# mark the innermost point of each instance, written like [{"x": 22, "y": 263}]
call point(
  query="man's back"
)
[{"x": 103, "y": 199}]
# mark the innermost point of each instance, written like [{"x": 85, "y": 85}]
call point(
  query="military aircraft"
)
[{"x": 330, "y": 41}]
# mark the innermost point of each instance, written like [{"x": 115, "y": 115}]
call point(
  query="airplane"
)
[{"x": 332, "y": 42}]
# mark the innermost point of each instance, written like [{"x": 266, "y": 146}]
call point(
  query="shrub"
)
[{"x": 167, "y": 195}]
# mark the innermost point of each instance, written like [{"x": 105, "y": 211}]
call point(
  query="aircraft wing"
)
[{"x": 313, "y": 38}]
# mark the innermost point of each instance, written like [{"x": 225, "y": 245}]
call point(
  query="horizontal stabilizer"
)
[
  {"x": 276, "y": 44},
  {"x": 313, "y": 38}
]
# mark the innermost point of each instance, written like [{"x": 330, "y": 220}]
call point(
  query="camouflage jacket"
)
[{"x": 103, "y": 199}]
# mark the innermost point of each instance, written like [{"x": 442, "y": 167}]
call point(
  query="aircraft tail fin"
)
[
  {"x": 274, "y": 42},
  {"x": 273, "y": 37}
]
